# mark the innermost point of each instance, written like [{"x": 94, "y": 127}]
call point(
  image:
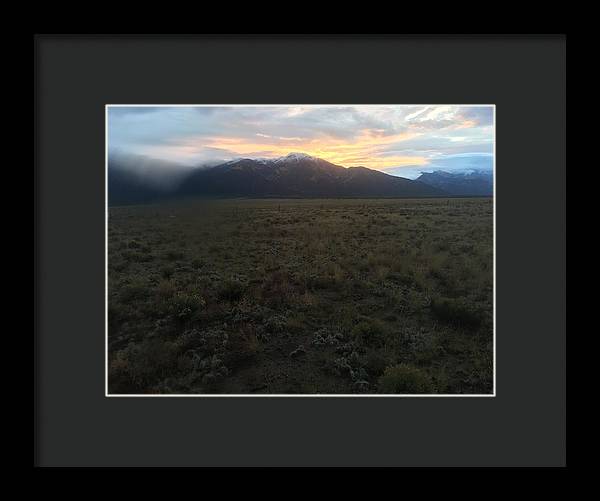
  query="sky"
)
[{"x": 399, "y": 140}]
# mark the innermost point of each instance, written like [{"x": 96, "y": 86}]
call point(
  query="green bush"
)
[{"x": 405, "y": 379}]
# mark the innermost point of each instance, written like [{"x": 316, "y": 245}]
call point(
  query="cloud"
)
[
  {"x": 380, "y": 137},
  {"x": 120, "y": 111},
  {"x": 480, "y": 115},
  {"x": 452, "y": 163},
  {"x": 148, "y": 171}
]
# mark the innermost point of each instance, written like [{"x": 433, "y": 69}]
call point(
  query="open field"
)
[{"x": 301, "y": 296}]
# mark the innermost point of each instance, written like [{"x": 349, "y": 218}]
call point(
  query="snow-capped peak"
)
[
  {"x": 240, "y": 159},
  {"x": 295, "y": 157},
  {"x": 290, "y": 157}
]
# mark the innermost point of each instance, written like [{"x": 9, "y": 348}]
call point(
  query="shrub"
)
[
  {"x": 137, "y": 256},
  {"x": 277, "y": 290},
  {"x": 183, "y": 306},
  {"x": 165, "y": 289},
  {"x": 197, "y": 263},
  {"x": 317, "y": 282},
  {"x": 209, "y": 370},
  {"x": 202, "y": 342},
  {"x": 404, "y": 379},
  {"x": 167, "y": 271},
  {"x": 140, "y": 365},
  {"x": 231, "y": 290},
  {"x": 174, "y": 255},
  {"x": 325, "y": 337},
  {"x": 457, "y": 311},
  {"x": 242, "y": 348},
  {"x": 133, "y": 291},
  {"x": 275, "y": 324},
  {"x": 369, "y": 331},
  {"x": 376, "y": 362}
]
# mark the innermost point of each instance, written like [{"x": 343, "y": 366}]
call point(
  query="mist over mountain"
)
[
  {"x": 465, "y": 183},
  {"x": 134, "y": 180}
]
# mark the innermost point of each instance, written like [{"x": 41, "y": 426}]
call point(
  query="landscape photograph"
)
[{"x": 300, "y": 250}]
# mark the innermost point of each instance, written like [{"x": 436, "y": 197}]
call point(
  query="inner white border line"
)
[{"x": 332, "y": 395}]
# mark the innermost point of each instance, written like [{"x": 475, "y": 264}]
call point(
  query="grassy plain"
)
[{"x": 301, "y": 296}]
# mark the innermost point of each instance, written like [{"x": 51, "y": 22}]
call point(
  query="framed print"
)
[
  {"x": 251, "y": 248},
  {"x": 361, "y": 264}
]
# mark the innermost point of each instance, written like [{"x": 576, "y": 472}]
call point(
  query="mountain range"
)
[
  {"x": 295, "y": 175},
  {"x": 467, "y": 183}
]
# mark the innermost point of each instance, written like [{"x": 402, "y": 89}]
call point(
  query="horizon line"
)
[{"x": 217, "y": 163}]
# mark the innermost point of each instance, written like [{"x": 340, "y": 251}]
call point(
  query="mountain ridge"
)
[
  {"x": 294, "y": 175},
  {"x": 470, "y": 182}
]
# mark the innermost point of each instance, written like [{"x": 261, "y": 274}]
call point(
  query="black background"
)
[{"x": 524, "y": 425}]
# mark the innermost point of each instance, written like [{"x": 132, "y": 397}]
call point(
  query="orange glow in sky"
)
[{"x": 364, "y": 150}]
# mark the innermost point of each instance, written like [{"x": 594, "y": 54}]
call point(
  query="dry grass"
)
[{"x": 384, "y": 283}]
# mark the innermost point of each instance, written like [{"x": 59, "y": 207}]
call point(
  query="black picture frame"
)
[{"x": 77, "y": 75}]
